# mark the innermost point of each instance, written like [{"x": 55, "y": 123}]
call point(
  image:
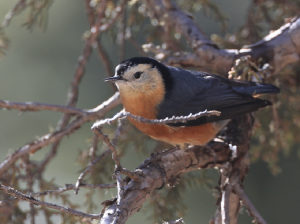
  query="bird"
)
[{"x": 152, "y": 90}]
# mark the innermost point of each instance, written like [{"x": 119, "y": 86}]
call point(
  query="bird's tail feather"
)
[{"x": 260, "y": 88}]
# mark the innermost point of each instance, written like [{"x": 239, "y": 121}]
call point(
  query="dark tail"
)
[{"x": 257, "y": 88}]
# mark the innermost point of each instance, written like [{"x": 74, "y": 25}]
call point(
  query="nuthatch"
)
[{"x": 153, "y": 90}]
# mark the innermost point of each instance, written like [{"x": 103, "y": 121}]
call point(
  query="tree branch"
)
[
  {"x": 173, "y": 163},
  {"x": 279, "y": 48},
  {"x": 248, "y": 204},
  {"x": 93, "y": 114},
  {"x": 34, "y": 201},
  {"x": 33, "y": 106}
]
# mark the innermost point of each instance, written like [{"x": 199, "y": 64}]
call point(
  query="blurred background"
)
[{"x": 39, "y": 66}]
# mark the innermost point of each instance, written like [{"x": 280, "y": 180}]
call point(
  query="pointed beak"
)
[{"x": 113, "y": 79}]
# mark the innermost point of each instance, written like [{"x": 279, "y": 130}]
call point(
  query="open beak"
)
[{"x": 113, "y": 79}]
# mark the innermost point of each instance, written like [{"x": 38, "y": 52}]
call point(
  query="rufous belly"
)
[{"x": 195, "y": 135}]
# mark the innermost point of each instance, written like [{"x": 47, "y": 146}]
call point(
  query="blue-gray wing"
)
[{"x": 192, "y": 92}]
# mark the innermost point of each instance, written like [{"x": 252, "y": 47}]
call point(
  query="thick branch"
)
[{"x": 161, "y": 168}]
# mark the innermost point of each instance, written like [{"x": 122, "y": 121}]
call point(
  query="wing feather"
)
[{"x": 193, "y": 92}]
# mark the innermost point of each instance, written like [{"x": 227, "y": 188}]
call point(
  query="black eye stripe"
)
[{"x": 137, "y": 75}]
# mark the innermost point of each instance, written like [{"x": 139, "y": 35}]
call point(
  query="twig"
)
[
  {"x": 114, "y": 142},
  {"x": 78, "y": 182},
  {"x": 80, "y": 69},
  {"x": 118, "y": 166},
  {"x": 115, "y": 15},
  {"x": 34, "y": 201},
  {"x": 102, "y": 54},
  {"x": 96, "y": 113},
  {"x": 89, "y": 12},
  {"x": 33, "y": 106},
  {"x": 16, "y": 9},
  {"x": 72, "y": 187},
  {"x": 248, "y": 204},
  {"x": 105, "y": 138},
  {"x": 167, "y": 120}
]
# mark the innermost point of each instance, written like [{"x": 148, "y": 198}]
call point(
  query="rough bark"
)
[{"x": 167, "y": 166}]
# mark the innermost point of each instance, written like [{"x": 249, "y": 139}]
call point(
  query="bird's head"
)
[{"x": 140, "y": 74}]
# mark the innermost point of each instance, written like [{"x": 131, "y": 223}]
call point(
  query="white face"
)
[{"x": 142, "y": 78}]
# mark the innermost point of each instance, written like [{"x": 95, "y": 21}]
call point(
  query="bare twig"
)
[
  {"x": 89, "y": 12},
  {"x": 80, "y": 69},
  {"x": 72, "y": 187},
  {"x": 34, "y": 201},
  {"x": 33, "y": 106},
  {"x": 96, "y": 113},
  {"x": 106, "y": 61},
  {"x": 114, "y": 142},
  {"x": 121, "y": 36},
  {"x": 115, "y": 15},
  {"x": 78, "y": 182},
  {"x": 16, "y": 9},
  {"x": 105, "y": 138},
  {"x": 248, "y": 204}
]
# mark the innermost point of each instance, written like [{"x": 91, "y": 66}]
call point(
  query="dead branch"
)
[{"x": 34, "y": 201}]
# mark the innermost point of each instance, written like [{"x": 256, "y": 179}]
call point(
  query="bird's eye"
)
[{"x": 137, "y": 75}]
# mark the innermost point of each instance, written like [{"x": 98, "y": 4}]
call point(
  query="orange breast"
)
[{"x": 146, "y": 106}]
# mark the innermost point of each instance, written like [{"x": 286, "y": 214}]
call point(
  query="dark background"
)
[{"x": 39, "y": 67}]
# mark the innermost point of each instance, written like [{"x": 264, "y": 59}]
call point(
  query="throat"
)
[{"x": 141, "y": 104}]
